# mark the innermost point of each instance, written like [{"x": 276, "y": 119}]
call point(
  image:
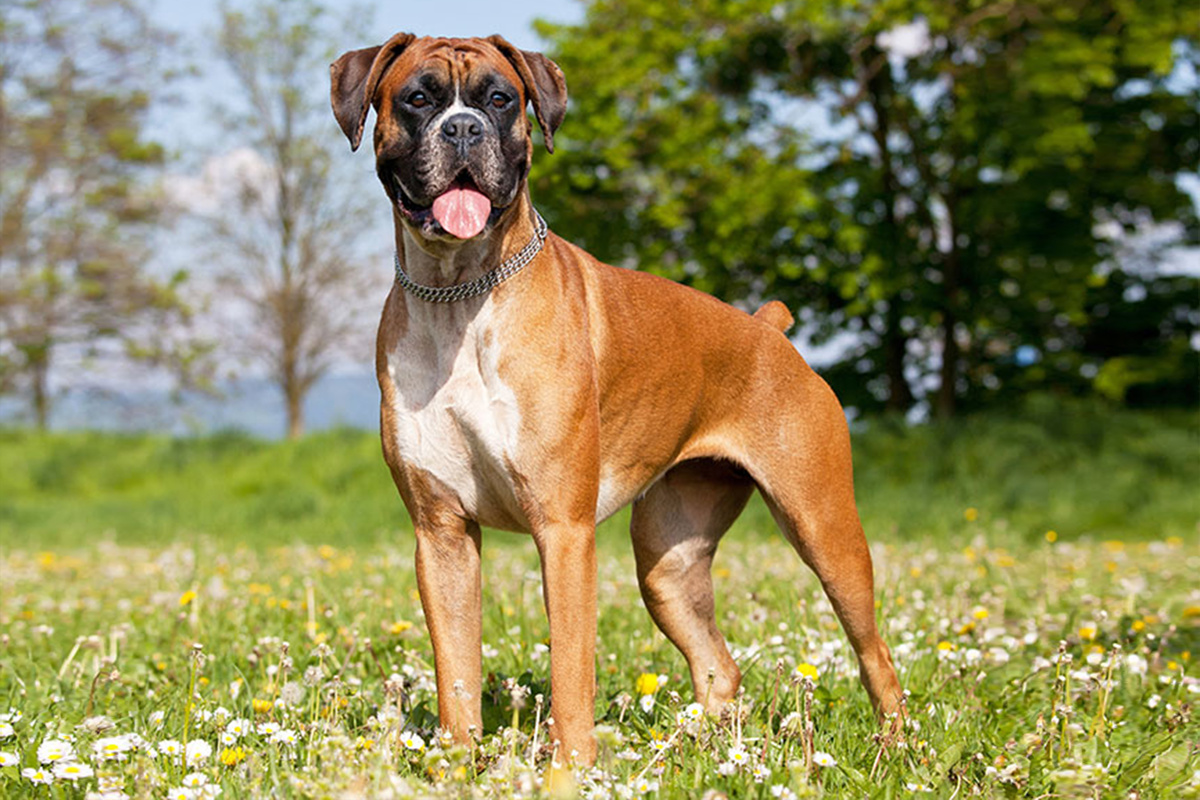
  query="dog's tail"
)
[{"x": 776, "y": 315}]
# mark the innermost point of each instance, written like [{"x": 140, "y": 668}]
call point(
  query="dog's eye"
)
[
  {"x": 499, "y": 99},
  {"x": 417, "y": 100}
]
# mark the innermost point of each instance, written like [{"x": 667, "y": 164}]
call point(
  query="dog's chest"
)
[{"x": 454, "y": 416}]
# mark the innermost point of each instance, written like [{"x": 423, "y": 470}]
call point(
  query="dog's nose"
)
[{"x": 462, "y": 129}]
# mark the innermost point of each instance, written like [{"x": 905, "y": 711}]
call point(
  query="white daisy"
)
[
  {"x": 195, "y": 780},
  {"x": 197, "y": 752},
  {"x": 41, "y": 776},
  {"x": 9, "y": 759},
  {"x": 52, "y": 751},
  {"x": 822, "y": 759},
  {"x": 73, "y": 770},
  {"x": 412, "y": 741}
]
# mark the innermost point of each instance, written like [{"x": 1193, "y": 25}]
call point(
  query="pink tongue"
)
[{"x": 462, "y": 212}]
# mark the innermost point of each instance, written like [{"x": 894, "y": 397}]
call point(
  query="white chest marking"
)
[{"x": 455, "y": 417}]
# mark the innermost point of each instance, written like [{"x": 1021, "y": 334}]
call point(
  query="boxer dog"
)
[{"x": 528, "y": 387}]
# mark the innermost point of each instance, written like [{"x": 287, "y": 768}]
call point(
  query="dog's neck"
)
[{"x": 438, "y": 262}]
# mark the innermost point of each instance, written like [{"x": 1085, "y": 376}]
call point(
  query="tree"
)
[
  {"x": 289, "y": 238},
  {"x": 949, "y": 203},
  {"x": 78, "y": 199}
]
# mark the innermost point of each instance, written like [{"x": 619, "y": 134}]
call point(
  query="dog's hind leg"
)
[
  {"x": 676, "y": 527},
  {"x": 807, "y": 481}
]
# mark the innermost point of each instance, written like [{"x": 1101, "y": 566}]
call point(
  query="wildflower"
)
[
  {"x": 112, "y": 748},
  {"x": 197, "y": 752},
  {"x": 6, "y": 730},
  {"x": 1154, "y": 701},
  {"x": 12, "y": 715},
  {"x": 918, "y": 787},
  {"x": 238, "y": 727},
  {"x": 285, "y": 736},
  {"x": 261, "y": 706},
  {"x": 979, "y": 613},
  {"x": 267, "y": 728},
  {"x": 231, "y": 757},
  {"x": 971, "y": 514},
  {"x": 658, "y": 742},
  {"x": 73, "y": 771},
  {"x": 726, "y": 768},
  {"x": 782, "y": 792},
  {"x": 9, "y": 759},
  {"x": 156, "y": 719},
  {"x": 647, "y": 683},
  {"x": 194, "y": 780},
  {"x": 170, "y": 748},
  {"x": 807, "y": 672},
  {"x": 692, "y": 712},
  {"x": 180, "y": 793},
  {"x": 186, "y": 598},
  {"x": 760, "y": 773},
  {"x": 738, "y": 756},
  {"x": 412, "y": 741},
  {"x": 54, "y": 750},
  {"x": 37, "y": 776},
  {"x": 645, "y": 786},
  {"x": 1087, "y": 631},
  {"x": 822, "y": 759},
  {"x": 399, "y": 626},
  {"x": 647, "y": 703}
]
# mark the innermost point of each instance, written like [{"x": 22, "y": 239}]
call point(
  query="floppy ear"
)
[
  {"x": 354, "y": 77},
  {"x": 544, "y": 85}
]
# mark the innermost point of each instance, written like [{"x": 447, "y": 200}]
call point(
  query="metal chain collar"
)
[{"x": 485, "y": 282}]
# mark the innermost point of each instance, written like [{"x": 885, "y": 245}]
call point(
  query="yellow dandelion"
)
[
  {"x": 1051, "y": 536},
  {"x": 399, "y": 626},
  {"x": 946, "y": 647},
  {"x": 187, "y": 597},
  {"x": 966, "y": 628},
  {"x": 1138, "y": 626},
  {"x": 232, "y": 756},
  {"x": 647, "y": 683},
  {"x": 971, "y": 514},
  {"x": 1087, "y": 633},
  {"x": 261, "y": 706},
  {"x": 1191, "y": 612},
  {"x": 980, "y": 613},
  {"x": 808, "y": 671}
]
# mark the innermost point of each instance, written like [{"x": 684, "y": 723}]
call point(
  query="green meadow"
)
[{"x": 1035, "y": 578}]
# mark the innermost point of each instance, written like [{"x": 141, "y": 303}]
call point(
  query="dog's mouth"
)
[{"x": 461, "y": 210}]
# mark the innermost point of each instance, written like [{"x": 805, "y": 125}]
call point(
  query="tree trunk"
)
[
  {"x": 295, "y": 411},
  {"x": 946, "y": 401},
  {"x": 40, "y": 374},
  {"x": 895, "y": 347},
  {"x": 895, "y": 344}
]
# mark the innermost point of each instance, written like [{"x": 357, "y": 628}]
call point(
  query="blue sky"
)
[{"x": 512, "y": 19}]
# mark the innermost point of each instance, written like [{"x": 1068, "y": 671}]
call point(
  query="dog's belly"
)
[{"x": 456, "y": 420}]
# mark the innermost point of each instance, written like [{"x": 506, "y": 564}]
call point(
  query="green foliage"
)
[
  {"x": 955, "y": 205},
  {"x": 1080, "y": 470},
  {"x": 79, "y": 201}
]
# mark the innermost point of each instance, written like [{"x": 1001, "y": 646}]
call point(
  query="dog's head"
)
[{"x": 452, "y": 139}]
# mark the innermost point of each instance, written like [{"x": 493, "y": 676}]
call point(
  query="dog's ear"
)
[
  {"x": 354, "y": 77},
  {"x": 544, "y": 86}
]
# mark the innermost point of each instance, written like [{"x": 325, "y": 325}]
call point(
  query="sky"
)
[{"x": 512, "y": 19}]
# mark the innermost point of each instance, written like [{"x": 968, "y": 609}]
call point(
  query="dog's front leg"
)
[
  {"x": 568, "y": 554},
  {"x": 448, "y": 578}
]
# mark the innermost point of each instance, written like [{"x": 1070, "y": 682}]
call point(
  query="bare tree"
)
[
  {"x": 289, "y": 236},
  {"x": 78, "y": 197}
]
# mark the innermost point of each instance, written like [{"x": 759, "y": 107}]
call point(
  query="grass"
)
[{"x": 272, "y": 584}]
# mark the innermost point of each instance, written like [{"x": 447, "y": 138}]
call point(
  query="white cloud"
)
[{"x": 221, "y": 180}]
